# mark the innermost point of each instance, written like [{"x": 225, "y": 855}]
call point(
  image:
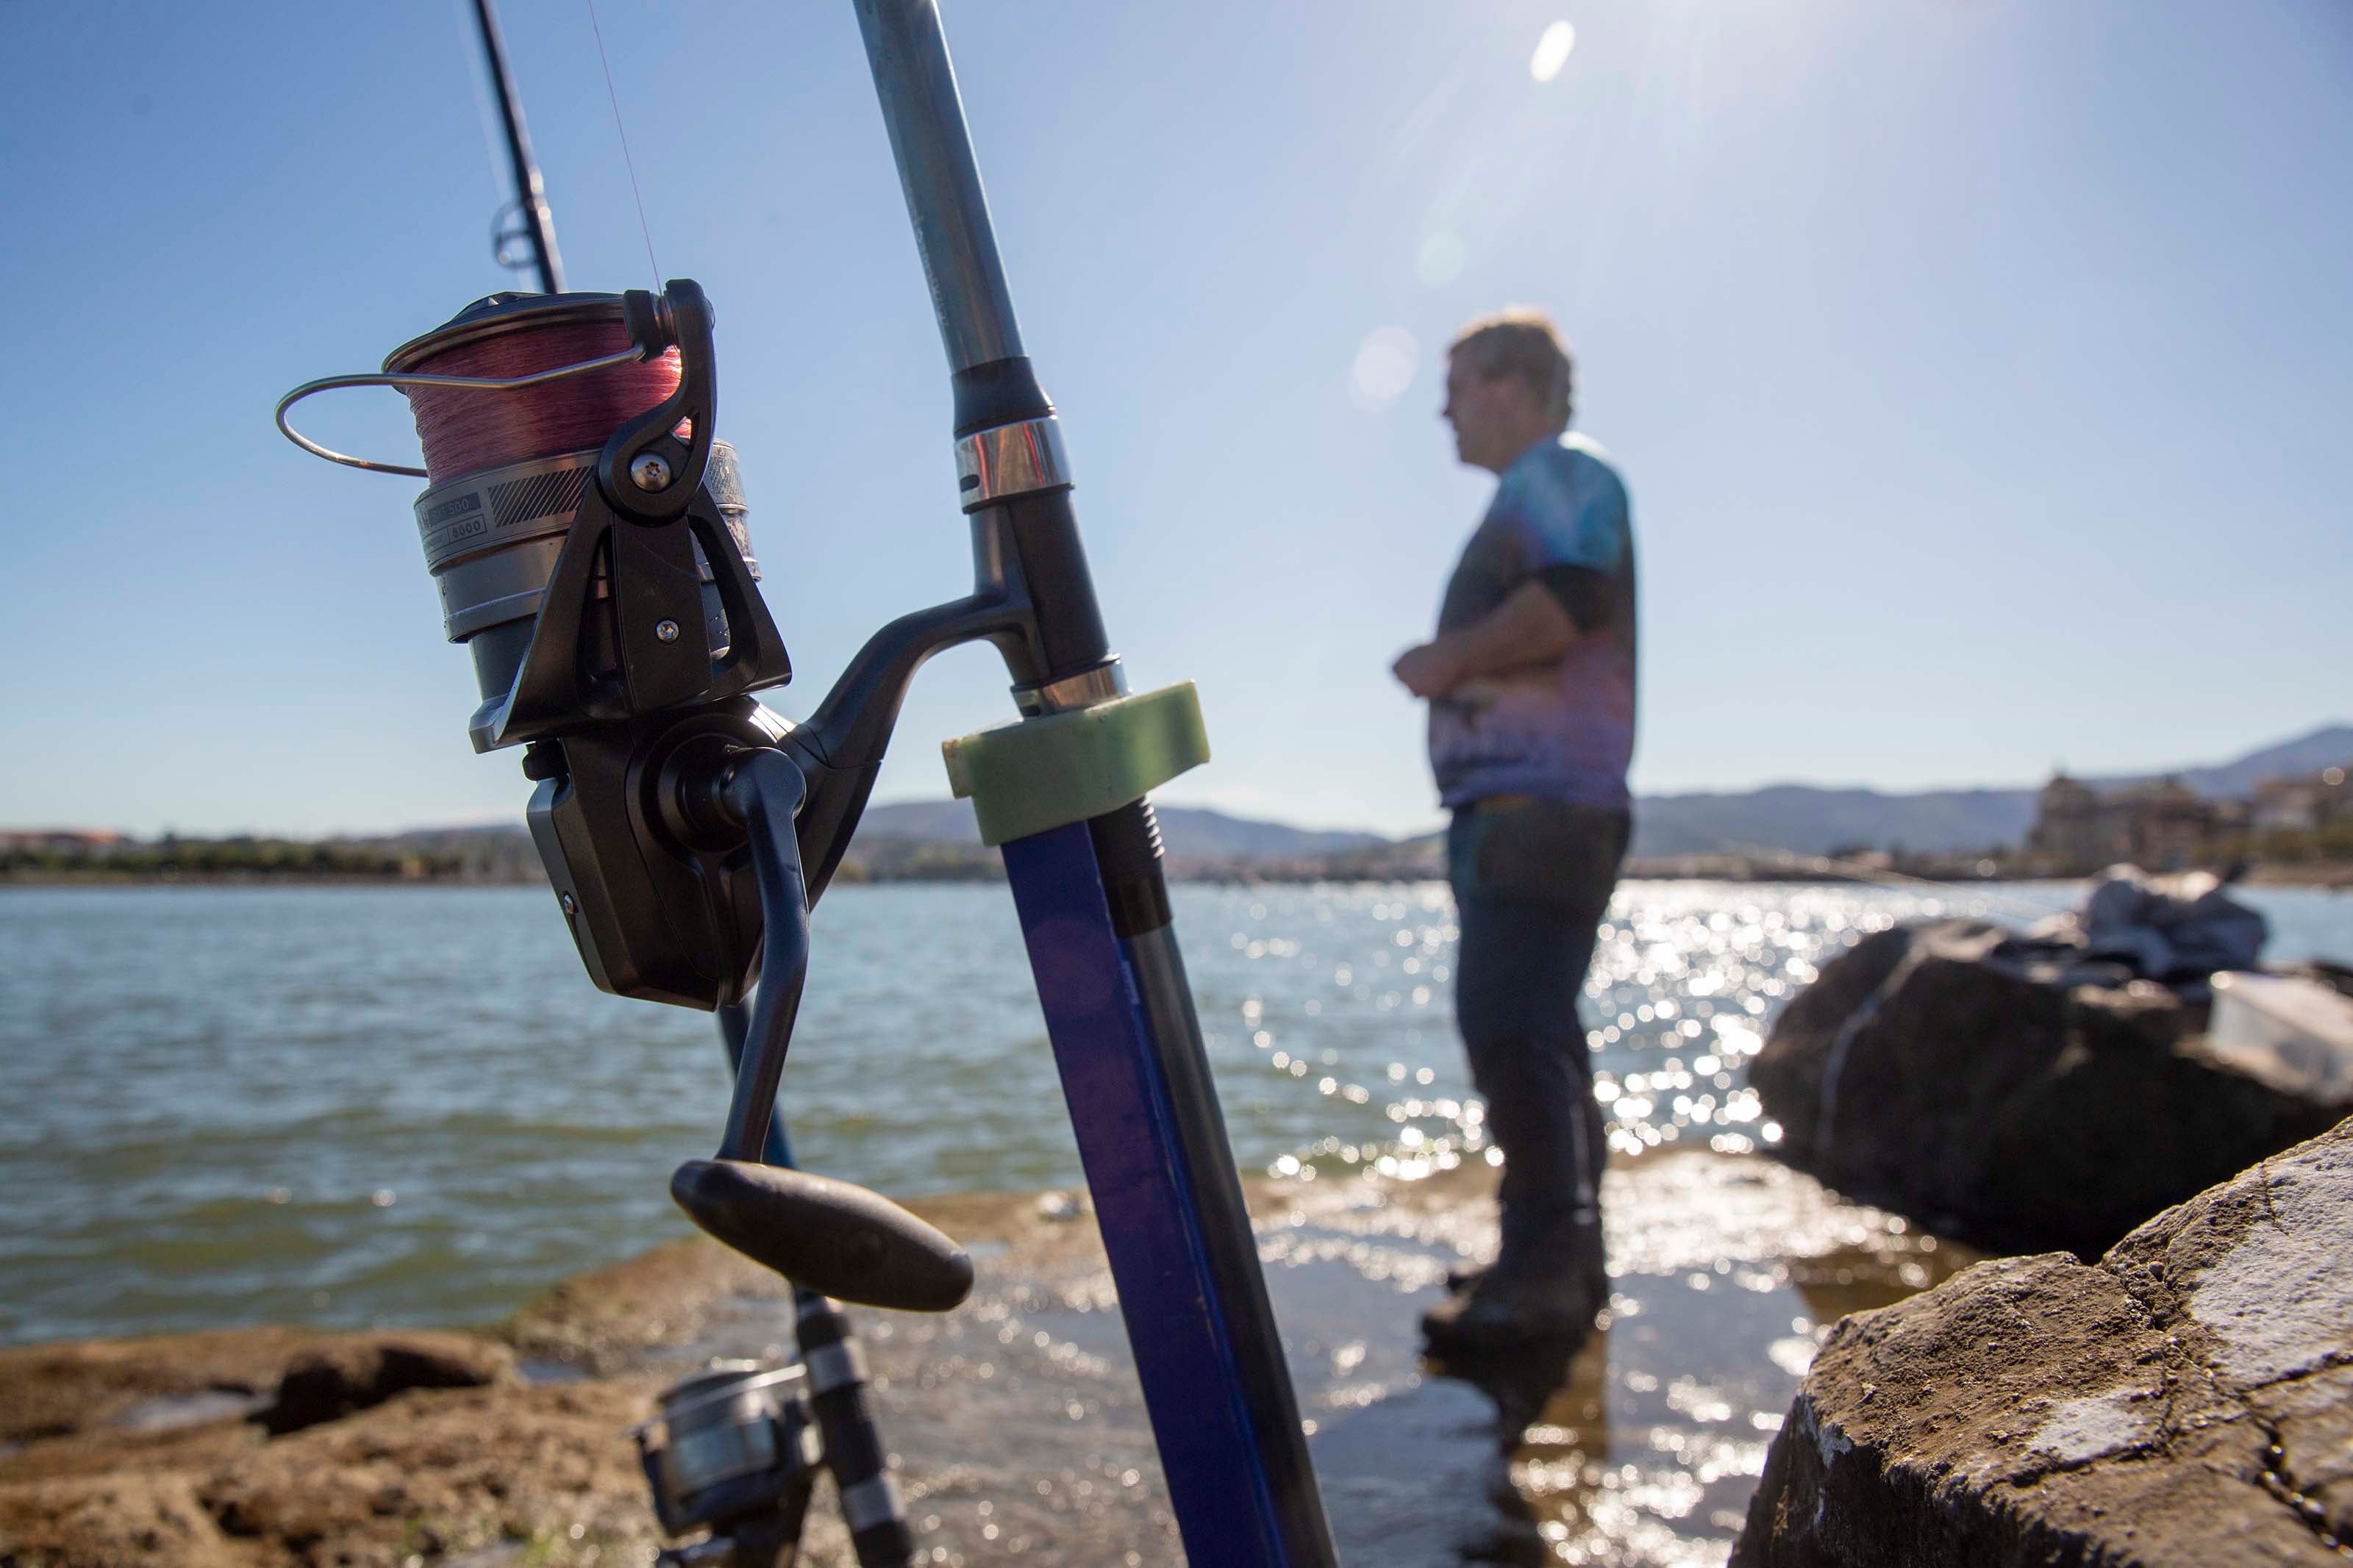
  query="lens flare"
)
[
  {"x": 1385, "y": 367},
  {"x": 1552, "y": 51},
  {"x": 1441, "y": 259}
]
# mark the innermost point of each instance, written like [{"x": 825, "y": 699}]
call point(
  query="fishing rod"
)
[
  {"x": 587, "y": 533},
  {"x": 739, "y": 1442},
  {"x": 529, "y": 206}
]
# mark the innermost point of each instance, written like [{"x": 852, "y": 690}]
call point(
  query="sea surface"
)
[{"x": 376, "y": 1106}]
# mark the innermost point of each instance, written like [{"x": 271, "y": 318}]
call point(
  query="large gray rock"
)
[
  {"x": 2000, "y": 1098},
  {"x": 2188, "y": 1400}
]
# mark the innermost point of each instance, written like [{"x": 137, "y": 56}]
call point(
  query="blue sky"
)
[{"x": 1977, "y": 368}]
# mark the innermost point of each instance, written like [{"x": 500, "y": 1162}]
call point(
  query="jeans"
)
[{"x": 1532, "y": 882}]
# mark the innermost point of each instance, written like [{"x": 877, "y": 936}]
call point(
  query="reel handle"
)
[
  {"x": 764, "y": 790},
  {"x": 833, "y": 1237}
]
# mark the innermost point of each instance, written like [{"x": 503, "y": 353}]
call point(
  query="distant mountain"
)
[
  {"x": 2328, "y": 747},
  {"x": 933, "y": 821},
  {"x": 1812, "y": 820},
  {"x": 1190, "y": 833},
  {"x": 1786, "y": 817},
  {"x": 1806, "y": 819}
]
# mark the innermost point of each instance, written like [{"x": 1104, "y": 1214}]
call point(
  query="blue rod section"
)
[{"x": 1136, "y": 1170}]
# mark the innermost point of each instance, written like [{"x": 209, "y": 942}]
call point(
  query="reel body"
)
[
  {"x": 734, "y": 1450},
  {"x": 590, "y": 546},
  {"x": 650, "y": 599},
  {"x": 519, "y": 475},
  {"x": 659, "y": 907},
  {"x": 595, "y": 558},
  {"x": 493, "y": 539}
]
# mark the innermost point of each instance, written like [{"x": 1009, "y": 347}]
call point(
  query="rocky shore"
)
[
  {"x": 1016, "y": 1425},
  {"x": 2187, "y": 1400},
  {"x": 2012, "y": 1102}
]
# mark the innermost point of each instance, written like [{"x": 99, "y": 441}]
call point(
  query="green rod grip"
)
[{"x": 1061, "y": 768}]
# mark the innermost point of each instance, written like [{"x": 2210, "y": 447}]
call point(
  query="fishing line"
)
[
  {"x": 627, "y": 161},
  {"x": 465, "y": 430}
]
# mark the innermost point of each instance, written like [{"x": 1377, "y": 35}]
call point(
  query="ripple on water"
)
[
  {"x": 1018, "y": 1416},
  {"x": 209, "y": 1085}
]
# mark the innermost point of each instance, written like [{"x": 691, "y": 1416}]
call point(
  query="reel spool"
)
[
  {"x": 508, "y": 471},
  {"x": 732, "y": 1450},
  {"x": 573, "y": 619}
]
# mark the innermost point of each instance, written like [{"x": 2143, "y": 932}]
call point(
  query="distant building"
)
[
  {"x": 2304, "y": 804},
  {"x": 2160, "y": 826},
  {"x": 57, "y": 840},
  {"x": 2067, "y": 827}
]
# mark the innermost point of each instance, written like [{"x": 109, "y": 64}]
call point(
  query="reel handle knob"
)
[{"x": 833, "y": 1238}]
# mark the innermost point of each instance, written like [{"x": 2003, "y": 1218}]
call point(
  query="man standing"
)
[{"x": 1531, "y": 688}]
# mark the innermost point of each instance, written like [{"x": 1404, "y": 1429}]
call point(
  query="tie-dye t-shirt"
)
[{"x": 1563, "y": 730}]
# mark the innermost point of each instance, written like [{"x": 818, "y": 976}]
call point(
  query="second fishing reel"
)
[
  {"x": 592, "y": 552},
  {"x": 732, "y": 1455}
]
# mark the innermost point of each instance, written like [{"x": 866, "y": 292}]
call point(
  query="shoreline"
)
[
  {"x": 1014, "y": 1422},
  {"x": 2327, "y": 878}
]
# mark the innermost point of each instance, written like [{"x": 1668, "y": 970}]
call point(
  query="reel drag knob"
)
[{"x": 836, "y": 1238}]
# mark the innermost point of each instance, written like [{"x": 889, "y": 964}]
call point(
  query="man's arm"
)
[{"x": 1532, "y": 626}]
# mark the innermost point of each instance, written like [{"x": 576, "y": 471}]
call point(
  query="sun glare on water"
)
[{"x": 1552, "y": 51}]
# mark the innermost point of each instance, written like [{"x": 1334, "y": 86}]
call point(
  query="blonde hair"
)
[{"x": 1522, "y": 343}]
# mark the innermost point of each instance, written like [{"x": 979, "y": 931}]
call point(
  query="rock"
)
[
  {"x": 441, "y": 1473},
  {"x": 1932, "y": 1070},
  {"x": 598, "y": 1320},
  {"x": 361, "y": 1371},
  {"x": 428, "y": 1474},
  {"x": 118, "y": 1521},
  {"x": 2184, "y": 927},
  {"x": 2188, "y": 1400},
  {"x": 1016, "y": 1424},
  {"x": 53, "y": 1390}
]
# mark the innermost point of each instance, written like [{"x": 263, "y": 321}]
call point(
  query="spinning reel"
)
[
  {"x": 612, "y": 606},
  {"x": 735, "y": 1448},
  {"x": 736, "y": 1454}
]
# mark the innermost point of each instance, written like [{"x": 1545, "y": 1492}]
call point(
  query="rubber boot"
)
[
  {"x": 1547, "y": 1290},
  {"x": 1594, "y": 1149}
]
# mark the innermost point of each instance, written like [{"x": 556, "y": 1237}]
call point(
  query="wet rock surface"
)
[
  {"x": 359, "y": 1372},
  {"x": 2188, "y": 1400},
  {"x": 482, "y": 1475},
  {"x": 1017, "y": 1429},
  {"x": 112, "y": 1519},
  {"x": 1991, "y": 1097},
  {"x": 56, "y": 1390}
]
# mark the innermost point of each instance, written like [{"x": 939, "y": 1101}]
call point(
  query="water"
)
[
  {"x": 363, "y": 1106},
  {"x": 1022, "y": 1433}
]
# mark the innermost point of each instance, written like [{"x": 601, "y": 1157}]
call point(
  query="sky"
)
[{"x": 1977, "y": 368}]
